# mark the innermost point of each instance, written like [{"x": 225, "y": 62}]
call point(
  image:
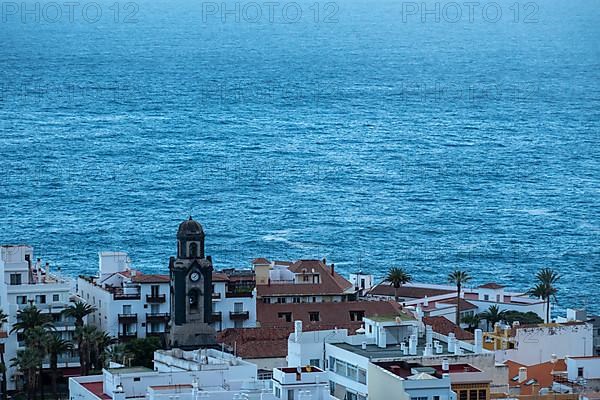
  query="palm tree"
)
[
  {"x": 459, "y": 278},
  {"x": 31, "y": 317},
  {"x": 492, "y": 315},
  {"x": 472, "y": 321},
  {"x": 35, "y": 338},
  {"x": 102, "y": 343},
  {"x": 28, "y": 360},
  {"x": 79, "y": 311},
  {"x": 117, "y": 353},
  {"x": 3, "y": 320},
  {"x": 397, "y": 277},
  {"x": 545, "y": 287},
  {"x": 87, "y": 338},
  {"x": 55, "y": 345}
]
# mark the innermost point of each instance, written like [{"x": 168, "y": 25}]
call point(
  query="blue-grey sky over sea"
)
[{"x": 372, "y": 133}]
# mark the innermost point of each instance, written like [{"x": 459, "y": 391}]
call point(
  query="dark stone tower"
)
[{"x": 191, "y": 290}]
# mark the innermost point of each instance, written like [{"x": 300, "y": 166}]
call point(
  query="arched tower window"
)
[
  {"x": 179, "y": 252},
  {"x": 194, "y": 299},
  {"x": 193, "y": 250}
]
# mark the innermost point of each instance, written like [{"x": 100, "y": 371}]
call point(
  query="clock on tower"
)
[{"x": 191, "y": 290}]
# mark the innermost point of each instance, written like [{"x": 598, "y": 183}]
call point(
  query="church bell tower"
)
[{"x": 191, "y": 290}]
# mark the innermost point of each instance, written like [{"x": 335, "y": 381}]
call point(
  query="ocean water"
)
[{"x": 372, "y": 133}]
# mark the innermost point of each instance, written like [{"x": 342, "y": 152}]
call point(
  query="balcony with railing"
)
[
  {"x": 157, "y": 316},
  {"x": 216, "y": 317},
  {"x": 156, "y": 298},
  {"x": 128, "y": 318},
  {"x": 239, "y": 315},
  {"x": 237, "y": 295},
  {"x": 119, "y": 295},
  {"x": 127, "y": 335}
]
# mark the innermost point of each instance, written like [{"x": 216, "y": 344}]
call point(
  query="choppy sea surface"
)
[{"x": 372, "y": 133}]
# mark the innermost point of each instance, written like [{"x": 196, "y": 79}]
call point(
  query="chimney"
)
[
  {"x": 522, "y": 374},
  {"x": 429, "y": 334},
  {"x": 297, "y": 330},
  {"x": 425, "y": 301},
  {"x": 412, "y": 345},
  {"x": 451, "y": 342},
  {"x": 478, "y": 341},
  {"x": 332, "y": 269},
  {"x": 457, "y": 349},
  {"x": 363, "y": 345},
  {"x": 428, "y": 350},
  {"x": 445, "y": 365}
]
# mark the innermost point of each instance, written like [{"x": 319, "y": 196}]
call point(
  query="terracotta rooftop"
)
[
  {"x": 330, "y": 313},
  {"x": 260, "y": 261},
  {"x": 540, "y": 374},
  {"x": 332, "y": 283},
  {"x": 410, "y": 292},
  {"x": 444, "y": 326},
  {"x": 219, "y": 277},
  {"x": 150, "y": 278},
  {"x": 268, "y": 342},
  {"x": 491, "y": 285}
]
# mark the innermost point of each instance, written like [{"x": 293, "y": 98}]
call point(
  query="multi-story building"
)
[
  {"x": 201, "y": 374},
  {"x": 535, "y": 344},
  {"x": 25, "y": 282},
  {"x": 582, "y": 315},
  {"x": 399, "y": 337},
  {"x": 440, "y": 300},
  {"x": 233, "y": 304},
  {"x": 303, "y": 281},
  {"x": 129, "y": 304}
]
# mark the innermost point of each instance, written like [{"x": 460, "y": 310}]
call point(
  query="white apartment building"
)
[
  {"x": 199, "y": 375},
  {"x": 440, "y": 300},
  {"x": 232, "y": 307},
  {"x": 585, "y": 371},
  {"x": 536, "y": 344},
  {"x": 25, "y": 281},
  {"x": 302, "y": 281},
  {"x": 129, "y": 304},
  {"x": 348, "y": 358}
]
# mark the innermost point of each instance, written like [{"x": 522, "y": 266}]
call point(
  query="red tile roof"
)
[
  {"x": 330, "y": 313},
  {"x": 150, "y": 278},
  {"x": 410, "y": 292},
  {"x": 332, "y": 283},
  {"x": 260, "y": 261},
  {"x": 256, "y": 342},
  {"x": 491, "y": 285},
  {"x": 541, "y": 373},
  {"x": 268, "y": 342},
  {"x": 444, "y": 326},
  {"x": 220, "y": 277}
]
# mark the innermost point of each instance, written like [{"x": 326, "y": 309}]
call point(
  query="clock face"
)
[{"x": 194, "y": 276}]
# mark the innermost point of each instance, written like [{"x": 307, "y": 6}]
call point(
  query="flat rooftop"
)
[
  {"x": 129, "y": 370},
  {"x": 372, "y": 351}
]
